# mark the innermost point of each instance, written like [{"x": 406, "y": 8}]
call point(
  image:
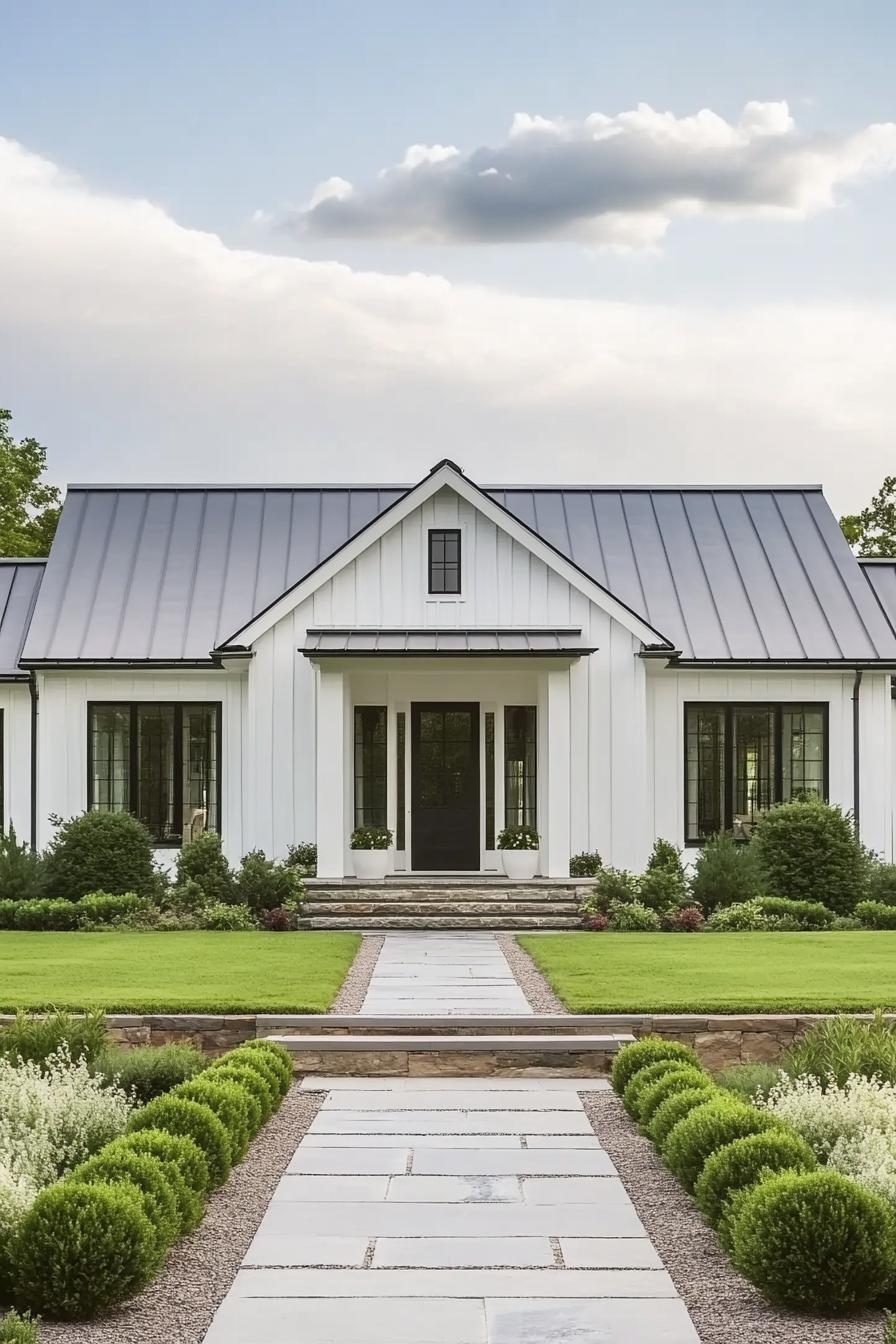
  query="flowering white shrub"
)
[
  {"x": 869, "y": 1158},
  {"x": 823, "y": 1116},
  {"x": 50, "y": 1120}
]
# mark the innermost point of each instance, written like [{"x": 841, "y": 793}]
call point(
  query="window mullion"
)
[
  {"x": 133, "y": 765},
  {"x": 178, "y": 771},
  {"x": 779, "y": 756},
  {"x": 730, "y": 759}
]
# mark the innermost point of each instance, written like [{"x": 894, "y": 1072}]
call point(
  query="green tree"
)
[
  {"x": 873, "y": 531},
  {"x": 29, "y": 508}
]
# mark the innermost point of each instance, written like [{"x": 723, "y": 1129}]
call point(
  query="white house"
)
[{"x": 608, "y": 664}]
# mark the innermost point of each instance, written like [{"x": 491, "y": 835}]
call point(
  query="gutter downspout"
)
[
  {"x": 32, "y": 686},
  {"x": 856, "y": 789}
]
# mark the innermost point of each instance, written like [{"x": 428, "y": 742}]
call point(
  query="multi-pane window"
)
[
  {"x": 489, "y": 779},
  {"x": 370, "y": 765},
  {"x": 740, "y": 760},
  {"x": 520, "y": 766},
  {"x": 444, "y": 560},
  {"x": 160, "y": 761}
]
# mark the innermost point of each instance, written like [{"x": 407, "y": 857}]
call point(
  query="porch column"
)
[
  {"x": 330, "y": 764},
  {"x": 555, "y": 704}
]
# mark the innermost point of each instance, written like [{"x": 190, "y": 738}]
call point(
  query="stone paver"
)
[{"x": 450, "y": 1210}]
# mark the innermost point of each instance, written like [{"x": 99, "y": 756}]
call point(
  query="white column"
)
[
  {"x": 554, "y": 704},
  {"x": 330, "y": 764}
]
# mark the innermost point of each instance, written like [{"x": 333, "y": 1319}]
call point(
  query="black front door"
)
[{"x": 444, "y": 787}]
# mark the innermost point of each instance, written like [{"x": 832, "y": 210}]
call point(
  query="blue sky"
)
[{"x": 214, "y": 112}]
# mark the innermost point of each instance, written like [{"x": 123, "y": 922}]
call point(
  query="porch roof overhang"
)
[{"x": 360, "y": 642}]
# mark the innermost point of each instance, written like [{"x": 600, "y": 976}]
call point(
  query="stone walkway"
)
[
  {"x": 443, "y": 975},
  {"x": 450, "y": 1210}
]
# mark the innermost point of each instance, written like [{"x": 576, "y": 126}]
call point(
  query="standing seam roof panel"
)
[{"x": 19, "y": 586}]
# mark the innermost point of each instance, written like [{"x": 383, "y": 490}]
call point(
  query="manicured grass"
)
[
  {"x": 174, "y": 972},
  {"x": 718, "y": 972}
]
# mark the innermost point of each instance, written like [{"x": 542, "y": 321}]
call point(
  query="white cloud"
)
[
  {"x": 138, "y": 348},
  {"x": 607, "y": 181}
]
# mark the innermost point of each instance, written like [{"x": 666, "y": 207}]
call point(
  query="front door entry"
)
[{"x": 445, "y": 787}]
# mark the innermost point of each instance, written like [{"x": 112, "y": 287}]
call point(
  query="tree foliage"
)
[
  {"x": 872, "y": 533},
  {"x": 29, "y": 507}
]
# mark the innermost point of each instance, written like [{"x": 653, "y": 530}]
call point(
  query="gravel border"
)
[
  {"x": 725, "y": 1308},
  {"x": 354, "y": 987},
  {"x": 178, "y": 1306},
  {"x": 538, "y": 992}
]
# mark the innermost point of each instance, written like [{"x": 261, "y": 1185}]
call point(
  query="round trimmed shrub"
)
[
  {"x": 641, "y": 1081},
  {"x": 168, "y": 1149},
  {"x": 261, "y": 1063},
  {"x": 83, "y": 1248},
  {"x": 171, "y": 1147},
  {"x": 675, "y": 1108},
  {"x": 228, "y": 1102},
  {"x": 709, "y": 1127},
  {"x": 742, "y": 1163},
  {"x": 248, "y": 1092},
  {"x": 150, "y": 1178},
  {"x": 680, "y": 1078},
  {"x": 815, "y": 1241},
  {"x": 251, "y": 1081},
  {"x": 648, "y": 1050},
  {"x": 282, "y": 1060},
  {"x": 99, "y": 851},
  {"x": 807, "y": 849},
  {"x": 179, "y": 1115}
]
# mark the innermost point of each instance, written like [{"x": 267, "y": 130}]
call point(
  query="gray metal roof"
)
[
  {"x": 329, "y": 643},
  {"x": 19, "y": 584},
  {"x": 730, "y": 574},
  {"x": 881, "y": 575}
]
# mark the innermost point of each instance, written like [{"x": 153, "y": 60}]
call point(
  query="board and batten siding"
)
[
  {"x": 62, "y": 738},
  {"x": 503, "y": 585},
  {"x": 669, "y": 690},
  {"x": 15, "y": 702}
]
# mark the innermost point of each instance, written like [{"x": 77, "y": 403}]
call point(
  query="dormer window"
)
[{"x": 444, "y": 560}]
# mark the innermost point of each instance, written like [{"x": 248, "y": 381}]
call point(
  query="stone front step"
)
[
  {"x": 417, "y": 892},
  {"x": 384, "y": 906},
  {"x": 394, "y": 1024},
  {"x": 453, "y": 1056},
  {"x": 404, "y": 921}
]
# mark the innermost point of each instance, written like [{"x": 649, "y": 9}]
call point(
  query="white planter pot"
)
[
  {"x": 371, "y": 865},
  {"x": 520, "y": 864}
]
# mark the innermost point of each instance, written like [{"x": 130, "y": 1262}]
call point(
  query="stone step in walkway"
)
[
  {"x": 370, "y": 923},
  {"x": 440, "y": 975},
  {"x": 451, "y": 1212},
  {"x": 452, "y": 1054}
]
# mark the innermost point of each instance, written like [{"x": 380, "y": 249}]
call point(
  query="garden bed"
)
[
  {"x": 718, "y": 973},
  {"x": 190, "y": 972}
]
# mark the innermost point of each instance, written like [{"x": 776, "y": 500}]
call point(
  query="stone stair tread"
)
[
  {"x": 404, "y": 921},
  {"x": 453, "y": 1044},
  {"x": 396, "y": 1022},
  {"x": 423, "y": 910}
]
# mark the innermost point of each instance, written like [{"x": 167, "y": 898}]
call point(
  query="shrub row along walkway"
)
[{"x": 447, "y": 1210}]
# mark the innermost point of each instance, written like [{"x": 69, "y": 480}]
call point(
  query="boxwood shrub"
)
[
  {"x": 261, "y": 1064},
  {"x": 743, "y": 1162},
  {"x": 252, "y": 1082},
  {"x": 46, "y": 916},
  {"x": 145, "y": 1173},
  {"x": 228, "y": 1102},
  {"x": 710, "y": 1127},
  {"x": 646, "y": 1051},
  {"x": 99, "y": 851},
  {"x": 809, "y": 849},
  {"x": 675, "y": 1108},
  {"x": 281, "y": 1058},
  {"x": 876, "y": 915},
  {"x": 177, "y": 1155},
  {"x": 179, "y": 1115},
  {"x": 679, "y": 1078},
  {"x": 815, "y": 1241},
  {"x": 641, "y": 1081},
  {"x": 808, "y": 915},
  {"x": 82, "y": 1249}
]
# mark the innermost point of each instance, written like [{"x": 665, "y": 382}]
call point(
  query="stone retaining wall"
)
[{"x": 719, "y": 1040}]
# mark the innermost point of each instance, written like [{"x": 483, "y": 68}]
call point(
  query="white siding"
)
[
  {"x": 15, "y": 703},
  {"x": 62, "y": 738}
]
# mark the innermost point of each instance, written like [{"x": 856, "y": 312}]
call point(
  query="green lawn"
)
[
  {"x": 718, "y": 972},
  {"x": 174, "y": 972}
]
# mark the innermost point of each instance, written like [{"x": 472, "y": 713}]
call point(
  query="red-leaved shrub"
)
[
  {"x": 687, "y": 920},
  {"x": 596, "y": 923},
  {"x": 278, "y": 920}
]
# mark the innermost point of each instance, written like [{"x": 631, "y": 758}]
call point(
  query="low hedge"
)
[
  {"x": 648, "y": 1050},
  {"x": 275, "y": 1055},
  {"x": 642, "y": 1080},
  {"x": 810, "y": 1239},
  {"x": 876, "y": 915},
  {"x": 98, "y": 1236}
]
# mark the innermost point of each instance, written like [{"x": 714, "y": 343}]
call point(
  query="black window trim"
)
[
  {"x": 133, "y": 765},
  {"x": 728, "y": 707},
  {"x": 445, "y": 532}
]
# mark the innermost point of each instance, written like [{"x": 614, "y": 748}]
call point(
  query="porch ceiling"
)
[{"x": 453, "y": 643}]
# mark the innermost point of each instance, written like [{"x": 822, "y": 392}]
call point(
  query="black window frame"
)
[
  {"x": 178, "y": 706},
  {"x": 370, "y": 812},
  {"x": 527, "y": 812},
  {"x": 443, "y": 566},
  {"x": 728, "y": 708}
]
